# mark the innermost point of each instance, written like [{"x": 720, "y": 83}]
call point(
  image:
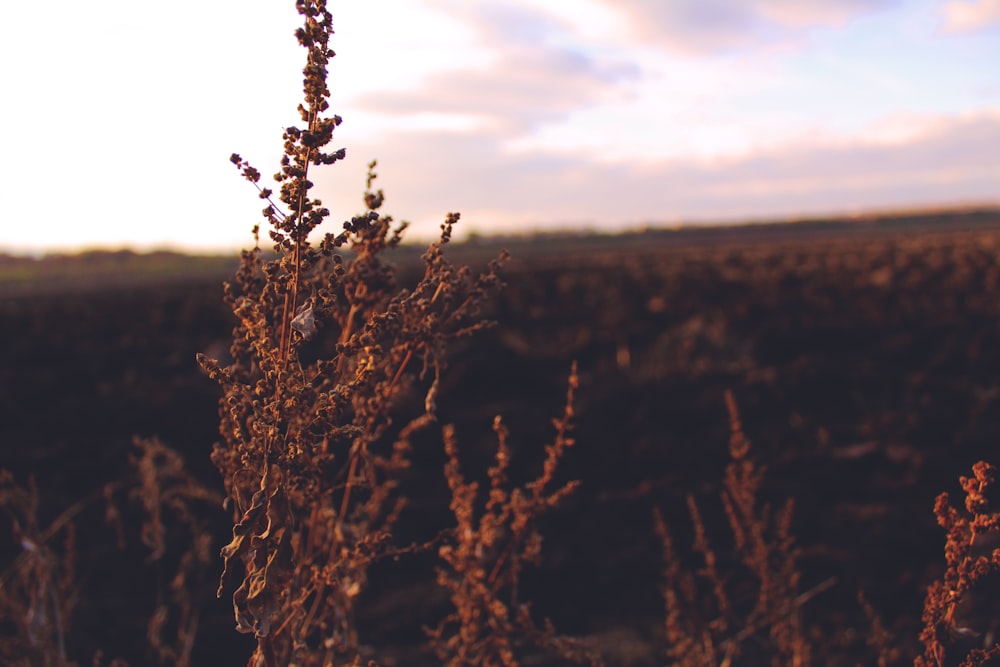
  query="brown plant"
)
[
  {"x": 487, "y": 551},
  {"x": 326, "y": 348},
  {"x": 965, "y": 572},
  {"x": 879, "y": 640},
  {"x": 173, "y": 500},
  {"x": 750, "y": 592},
  {"x": 39, "y": 590}
]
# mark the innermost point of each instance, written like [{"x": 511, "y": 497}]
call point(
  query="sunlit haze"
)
[{"x": 118, "y": 117}]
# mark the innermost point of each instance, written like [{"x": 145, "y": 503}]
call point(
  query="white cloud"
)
[
  {"x": 899, "y": 129},
  {"x": 967, "y": 15},
  {"x": 396, "y": 45},
  {"x": 682, "y": 108}
]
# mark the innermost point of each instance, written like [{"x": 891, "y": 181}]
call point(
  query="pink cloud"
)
[
  {"x": 969, "y": 15},
  {"x": 707, "y": 26}
]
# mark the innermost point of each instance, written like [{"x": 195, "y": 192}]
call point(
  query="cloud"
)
[
  {"x": 699, "y": 26},
  {"x": 968, "y": 15},
  {"x": 591, "y": 20},
  {"x": 710, "y": 26},
  {"x": 536, "y": 74},
  {"x": 429, "y": 174},
  {"x": 807, "y": 13},
  {"x": 526, "y": 88}
]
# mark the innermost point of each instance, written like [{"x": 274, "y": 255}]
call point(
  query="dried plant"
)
[
  {"x": 173, "y": 500},
  {"x": 712, "y": 612},
  {"x": 326, "y": 347},
  {"x": 965, "y": 574},
  {"x": 38, "y": 589},
  {"x": 487, "y": 551},
  {"x": 880, "y": 640}
]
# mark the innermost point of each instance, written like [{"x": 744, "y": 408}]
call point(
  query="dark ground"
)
[{"x": 866, "y": 367}]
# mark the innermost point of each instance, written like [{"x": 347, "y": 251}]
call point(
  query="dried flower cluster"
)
[{"x": 965, "y": 573}]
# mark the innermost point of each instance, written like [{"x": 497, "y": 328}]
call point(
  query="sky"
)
[{"x": 118, "y": 118}]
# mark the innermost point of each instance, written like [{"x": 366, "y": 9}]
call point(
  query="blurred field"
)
[{"x": 864, "y": 356}]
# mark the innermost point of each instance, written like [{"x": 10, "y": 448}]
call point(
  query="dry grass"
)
[
  {"x": 37, "y": 594},
  {"x": 487, "y": 551},
  {"x": 712, "y": 613},
  {"x": 39, "y": 590}
]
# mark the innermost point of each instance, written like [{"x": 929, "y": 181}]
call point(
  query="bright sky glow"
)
[{"x": 119, "y": 117}]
